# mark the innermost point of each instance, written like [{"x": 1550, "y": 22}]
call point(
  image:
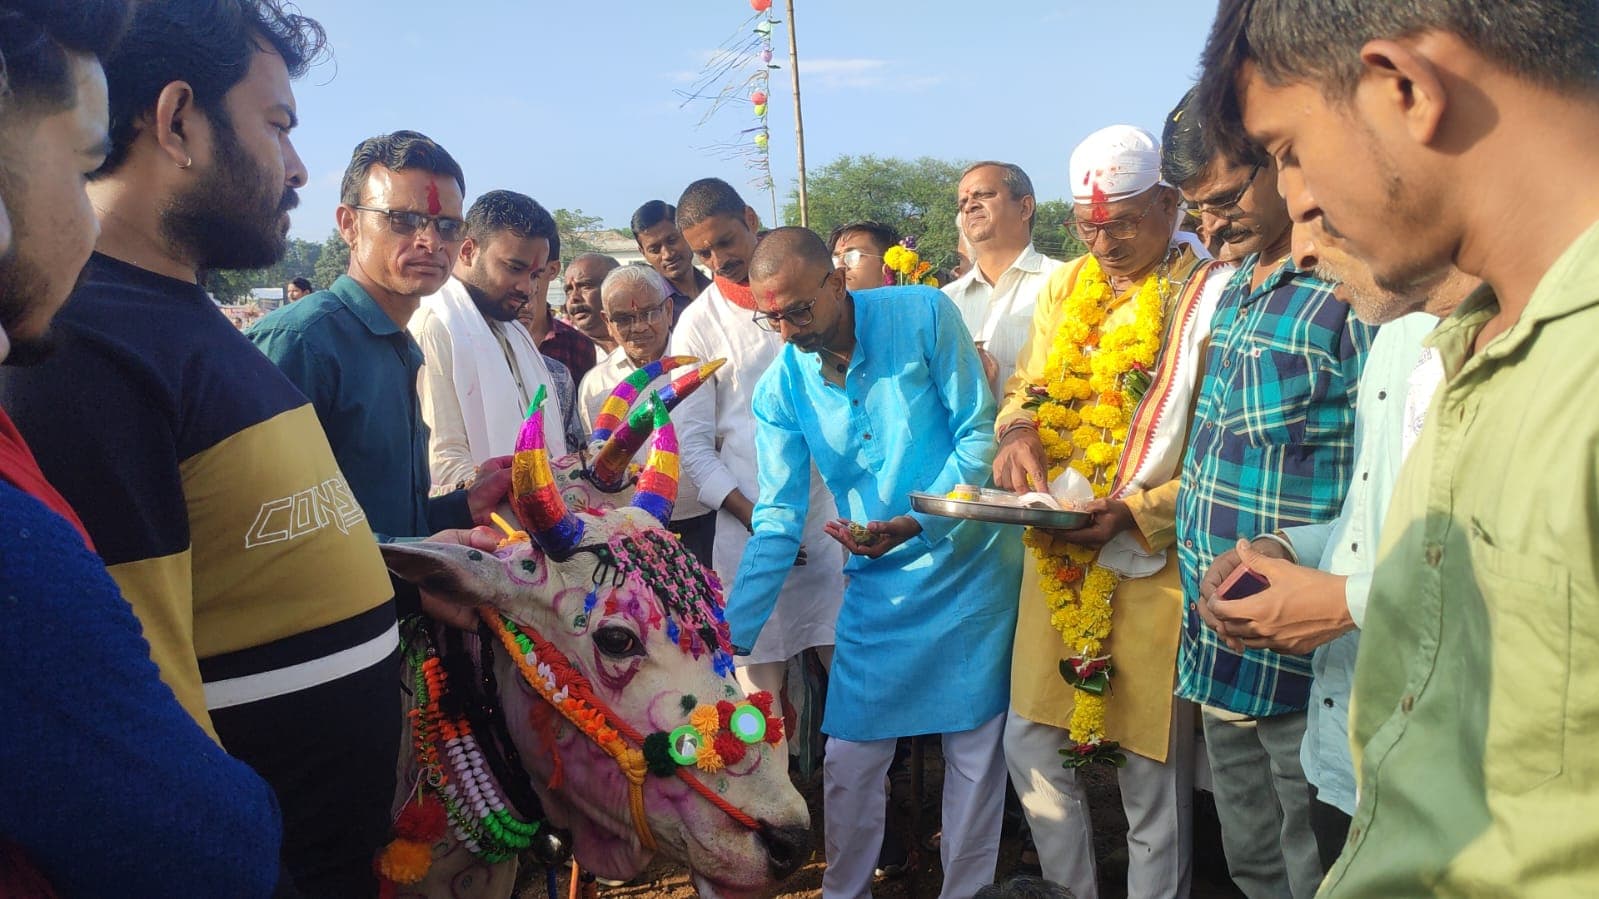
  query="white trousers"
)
[
  {"x": 1157, "y": 797},
  {"x": 853, "y": 799},
  {"x": 769, "y": 676}
]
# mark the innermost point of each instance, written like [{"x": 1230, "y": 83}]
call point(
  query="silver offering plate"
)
[{"x": 998, "y": 507}]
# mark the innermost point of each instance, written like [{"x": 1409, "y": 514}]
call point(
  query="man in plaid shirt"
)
[{"x": 1271, "y": 445}]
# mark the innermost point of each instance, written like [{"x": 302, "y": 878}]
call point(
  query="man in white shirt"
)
[
  {"x": 996, "y": 297},
  {"x": 716, "y": 431},
  {"x": 481, "y": 369},
  {"x": 638, "y": 312}
]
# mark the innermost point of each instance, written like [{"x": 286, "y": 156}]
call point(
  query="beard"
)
[
  {"x": 495, "y": 309},
  {"x": 230, "y": 219},
  {"x": 20, "y": 284}
]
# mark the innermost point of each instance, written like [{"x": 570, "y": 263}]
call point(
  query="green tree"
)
[
  {"x": 1050, "y": 234},
  {"x": 234, "y": 285},
  {"x": 574, "y": 228},
  {"x": 915, "y": 196},
  {"x": 919, "y": 198},
  {"x": 333, "y": 261}
]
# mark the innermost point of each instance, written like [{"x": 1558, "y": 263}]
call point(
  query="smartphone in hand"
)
[{"x": 1241, "y": 583}]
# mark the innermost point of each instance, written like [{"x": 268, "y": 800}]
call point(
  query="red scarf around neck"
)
[{"x": 739, "y": 295}]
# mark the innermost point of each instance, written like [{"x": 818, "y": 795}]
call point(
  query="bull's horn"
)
[
  {"x": 614, "y": 410},
  {"x": 657, "y": 485},
  {"x": 534, "y": 495},
  {"x": 608, "y": 471}
]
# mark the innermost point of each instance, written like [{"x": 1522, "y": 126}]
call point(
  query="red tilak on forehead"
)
[
  {"x": 433, "y": 198},
  {"x": 771, "y": 295},
  {"x": 1097, "y": 212}
]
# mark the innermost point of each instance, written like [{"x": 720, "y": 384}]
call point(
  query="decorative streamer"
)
[{"x": 740, "y": 71}]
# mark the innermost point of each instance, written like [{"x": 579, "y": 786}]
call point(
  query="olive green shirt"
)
[{"x": 1475, "y": 718}]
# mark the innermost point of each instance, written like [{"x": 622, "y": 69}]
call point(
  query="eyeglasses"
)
[
  {"x": 798, "y": 316},
  {"x": 406, "y": 222},
  {"x": 852, "y": 258},
  {"x": 626, "y": 320},
  {"x": 1227, "y": 208},
  {"x": 1120, "y": 229}
]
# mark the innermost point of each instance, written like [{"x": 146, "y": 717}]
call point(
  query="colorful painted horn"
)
[
  {"x": 626, "y": 394},
  {"x": 657, "y": 485},
  {"x": 534, "y": 496},
  {"x": 524, "y": 439},
  {"x": 608, "y": 471}
]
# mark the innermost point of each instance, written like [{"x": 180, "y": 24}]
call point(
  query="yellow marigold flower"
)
[
  {"x": 1100, "y": 579},
  {"x": 930, "y": 280},
  {"x": 1082, "y": 555},
  {"x": 1102, "y": 454}
]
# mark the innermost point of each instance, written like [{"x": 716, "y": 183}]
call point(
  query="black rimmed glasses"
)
[
  {"x": 406, "y": 222},
  {"x": 1119, "y": 229},
  {"x": 799, "y": 315},
  {"x": 1227, "y": 207}
]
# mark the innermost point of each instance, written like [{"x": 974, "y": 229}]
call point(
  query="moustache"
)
[
  {"x": 727, "y": 270},
  {"x": 291, "y": 199},
  {"x": 1231, "y": 235}
]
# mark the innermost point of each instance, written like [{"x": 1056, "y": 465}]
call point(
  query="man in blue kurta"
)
[{"x": 883, "y": 391}]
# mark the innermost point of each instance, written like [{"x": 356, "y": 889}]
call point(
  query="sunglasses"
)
[{"x": 406, "y": 222}]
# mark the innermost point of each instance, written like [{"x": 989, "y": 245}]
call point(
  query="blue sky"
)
[{"x": 573, "y": 103}]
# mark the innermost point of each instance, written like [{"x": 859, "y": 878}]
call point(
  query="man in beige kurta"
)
[{"x": 1126, "y": 216}]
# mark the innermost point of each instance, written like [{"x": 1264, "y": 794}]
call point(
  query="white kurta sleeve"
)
[
  {"x": 695, "y": 417},
  {"x": 449, "y": 456}
]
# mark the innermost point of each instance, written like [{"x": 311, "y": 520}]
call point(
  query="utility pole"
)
[{"x": 799, "y": 120}]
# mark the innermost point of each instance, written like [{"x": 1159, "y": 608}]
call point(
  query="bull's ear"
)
[{"x": 448, "y": 571}]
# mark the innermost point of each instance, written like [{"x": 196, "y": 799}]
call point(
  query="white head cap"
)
[{"x": 1115, "y": 163}]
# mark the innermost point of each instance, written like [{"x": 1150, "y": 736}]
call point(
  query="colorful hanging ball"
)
[
  {"x": 758, "y": 98},
  {"x": 760, "y": 140},
  {"x": 766, "y": 55},
  {"x": 760, "y": 5},
  {"x": 763, "y": 28},
  {"x": 760, "y": 109}
]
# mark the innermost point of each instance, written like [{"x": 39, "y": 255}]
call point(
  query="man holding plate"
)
[{"x": 1103, "y": 388}]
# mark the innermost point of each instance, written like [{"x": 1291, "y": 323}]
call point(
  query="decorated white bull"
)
[{"x": 596, "y": 702}]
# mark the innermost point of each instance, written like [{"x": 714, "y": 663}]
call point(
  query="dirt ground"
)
[{"x": 669, "y": 881}]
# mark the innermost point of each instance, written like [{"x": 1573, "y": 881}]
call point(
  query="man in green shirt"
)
[{"x": 1418, "y": 135}]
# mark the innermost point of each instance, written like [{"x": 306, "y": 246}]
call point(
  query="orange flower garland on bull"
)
[{"x": 1097, "y": 378}]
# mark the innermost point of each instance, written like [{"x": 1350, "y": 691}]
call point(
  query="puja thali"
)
[{"x": 998, "y": 507}]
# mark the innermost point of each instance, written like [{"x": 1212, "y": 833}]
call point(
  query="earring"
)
[{"x": 187, "y": 161}]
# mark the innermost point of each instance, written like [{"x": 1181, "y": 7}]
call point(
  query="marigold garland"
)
[{"x": 1096, "y": 379}]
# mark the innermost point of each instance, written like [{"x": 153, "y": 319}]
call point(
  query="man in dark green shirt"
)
[{"x": 347, "y": 349}]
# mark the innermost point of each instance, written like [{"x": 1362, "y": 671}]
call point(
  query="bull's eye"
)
[{"x": 618, "y": 642}]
